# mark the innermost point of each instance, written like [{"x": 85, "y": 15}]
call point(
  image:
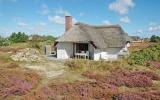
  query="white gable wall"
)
[
  {"x": 64, "y": 50},
  {"x": 108, "y": 54}
]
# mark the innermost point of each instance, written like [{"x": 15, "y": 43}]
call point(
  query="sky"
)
[{"x": 46, "y": 17}]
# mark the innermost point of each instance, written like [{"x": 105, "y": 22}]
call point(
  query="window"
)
[{"x": 81, "y": 47}]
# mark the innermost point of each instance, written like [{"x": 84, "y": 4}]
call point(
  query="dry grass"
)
[
  {"x": 103, "y": 66},
  {"x": 4, "y": 59},
  {"x": 139, "y": 46}
]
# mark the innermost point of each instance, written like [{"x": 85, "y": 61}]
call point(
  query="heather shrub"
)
[
  {"x": 149, "y": 95},
  {"x": 149, "y": 54},
  {"x": 155, "y": 64},
  {"x": 17, "y": 82},
  {"x": 149, "y": 74},
  {"x": 125, "y": 78},
  {"x": 76, "y": 91}
]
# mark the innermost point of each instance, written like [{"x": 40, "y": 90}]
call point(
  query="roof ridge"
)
[{"x": 98, "y": 26}]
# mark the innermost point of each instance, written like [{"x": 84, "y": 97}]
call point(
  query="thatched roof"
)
[{"x": 102, "y": 36}]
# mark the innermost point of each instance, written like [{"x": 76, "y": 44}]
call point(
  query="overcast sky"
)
[{"x": 46, "y": 17}]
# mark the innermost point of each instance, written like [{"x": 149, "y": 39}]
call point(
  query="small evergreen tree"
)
[{"x": 18, "y": 37}]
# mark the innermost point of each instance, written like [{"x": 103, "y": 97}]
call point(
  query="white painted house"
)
[{"x": 94, "y": 42}]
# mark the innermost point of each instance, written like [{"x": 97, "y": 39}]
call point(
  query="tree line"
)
[{"x": 21, "y": 37}]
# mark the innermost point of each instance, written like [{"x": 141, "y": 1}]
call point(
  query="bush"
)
[
  {"x": 145, "y": 55},
  {"x": 4, "y": 42},
  {"x": 155, "y": 38},
  {"x": 18, "y": 37}
]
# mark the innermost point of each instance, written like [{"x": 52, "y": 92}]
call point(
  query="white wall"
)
[
  {"x": 97, "y": 54},
  {"x": 108, "y": 54},
  {"x": 91, "y": 51},
  {"x": 64, "y": 50}
]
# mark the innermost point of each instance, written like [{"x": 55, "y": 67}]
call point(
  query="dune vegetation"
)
[{"x": 136, "y": 77}]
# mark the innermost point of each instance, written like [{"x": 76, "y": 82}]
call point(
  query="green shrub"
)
[
  {"x": 142, "y": 56},
  {"x": 4, "y": 42},
  {"x": 18, "y": 37},
  {"x": 155, "y": 38}
]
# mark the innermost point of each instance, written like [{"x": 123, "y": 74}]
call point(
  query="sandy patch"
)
[{"x": 50, "y": 70}]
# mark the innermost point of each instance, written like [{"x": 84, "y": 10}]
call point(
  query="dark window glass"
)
[{"x": 81, "y": 47}]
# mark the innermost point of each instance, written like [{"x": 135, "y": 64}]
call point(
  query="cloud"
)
[
  {"x": 125, "y": 19},
  {"x": 40, "y": 28},
  {"x": 81, "y": 14},
  {"x": 152, "y": 23},
  {"x": 121, "y": 6},
  {"x": 59, "y": 19},
  {"x": 56, "y": 19},
  {"x": 61, "y": 11},
  {"x": 44, "y": 9},
  {"x": 106, "y": 22},
  {"x": 22, "y": 24},
  {"x": 140, "y": 31},
  {"x": 5, "y": 31},
  {"x": 152, "y": 28},
  {"x": 75, "y": 20},
  {"x": 42, "y": 24}
]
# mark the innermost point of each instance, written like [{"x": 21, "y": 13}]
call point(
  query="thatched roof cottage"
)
[{"x": 93, "y": 42}]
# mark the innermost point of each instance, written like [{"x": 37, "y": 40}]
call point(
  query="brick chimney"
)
[{"x": 68, "y": 23}]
